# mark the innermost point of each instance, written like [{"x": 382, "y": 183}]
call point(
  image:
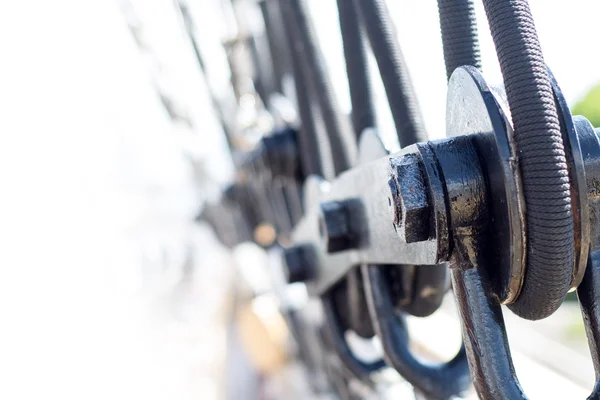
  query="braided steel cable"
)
[
  {"x": 404, "y": 109},
  {"x": 341, "y": 140},
  {"x": 394, "y": 72},
  {"x": 357, "y": 69},
  {"x": 274, "y": 30},
  {"x": 542, "y": 161},
  {"x": 459, "y": 34},
  {"x": 363, "y": 117},
  {"x": 309, "y": 140}
]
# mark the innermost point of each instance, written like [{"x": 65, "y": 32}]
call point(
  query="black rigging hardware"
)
[{"x": 505, "y": 207}]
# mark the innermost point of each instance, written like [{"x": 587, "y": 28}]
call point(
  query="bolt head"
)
[
  {"x": 411, "y": 206},
  {"x": 334, "y": 226},
  {"x": 298, "y": 264}
]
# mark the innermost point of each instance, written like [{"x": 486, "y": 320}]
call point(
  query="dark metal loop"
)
[
  {"x": 484, "y": 334},
  {"x": 417, "y": 290},
  {"x": 588, "y": 293},
  {"x": 475, "y": 284},
  {"x": 360, "y": 369},
  {"x": 358, "y": 311},
  {"x": 441, "y": 381},
  {"x": 460, "y": 199}
]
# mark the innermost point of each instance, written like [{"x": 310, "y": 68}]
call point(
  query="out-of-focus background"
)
[{"x": 109, "y": 148}]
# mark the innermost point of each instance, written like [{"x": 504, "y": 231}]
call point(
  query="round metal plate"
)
[
  {"x": 579, "y": 197},
  {"x": 473, "y": 109}
]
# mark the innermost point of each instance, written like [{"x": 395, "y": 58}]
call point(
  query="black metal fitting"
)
[
  {"x": 409, "y": 201},
  {"x": 481, "y": 279},
  {"x": 298, "y": 263},
  {"x": 336, "y": 339},
  {"x": 281, "y": 153},
  {"x": 457, "y": 200},
  {"x": 442, "y": 381},
  {"x": 334, "y": 226},
  {"x": 275, "y": 155}
]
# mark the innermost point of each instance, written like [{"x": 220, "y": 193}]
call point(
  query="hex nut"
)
[
  {"x": 412, "y": 210},
  {"x": 299, "y": 264},
  {"x": 334, "y": 226}
]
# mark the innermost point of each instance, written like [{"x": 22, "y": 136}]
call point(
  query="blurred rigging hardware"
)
[{"x": 505, "y": 208}]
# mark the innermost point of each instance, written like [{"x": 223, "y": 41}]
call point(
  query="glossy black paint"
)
[
  {"x": 484, "y": 336},
  {"x": 475, "y": 284},
  {"x": 409, "y": 202},
  {"x": 577, "y": 177},
  {"x": 474, "y": 110},
  {"x": 462, "y": 197},
  {"x": 589, "y": 298},
  {"x": 416, "y": 289},
  {"x": 589, "y": 289},
  {"x": 442, "y": 381},
  {"x": 345, "y": 301}
]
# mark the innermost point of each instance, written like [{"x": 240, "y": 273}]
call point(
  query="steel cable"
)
[
  {"x": 459, "y": 34},
  {"x": 393, "y": 70},
  {"x": 541, "y": 155},
  {"x": 274, "y": 31},
  {"x": 363, "y": 117},
  {"x": 309, "y": 142},
  {"x": 341, "y": 140},
  {"x": 357, "y": 69},
  {"x": 375, "y": 19}
]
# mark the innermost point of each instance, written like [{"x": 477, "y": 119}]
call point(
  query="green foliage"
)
[{"x": 589, "y": 107}]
